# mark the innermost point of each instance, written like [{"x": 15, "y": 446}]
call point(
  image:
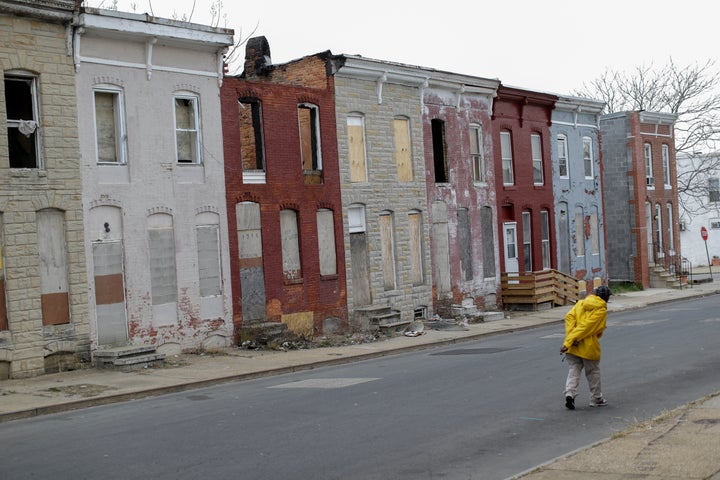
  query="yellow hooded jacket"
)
[{"x": 584, "y": 325}]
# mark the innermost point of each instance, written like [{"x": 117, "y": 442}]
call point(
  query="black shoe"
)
[{"x": 570, "y": 403}]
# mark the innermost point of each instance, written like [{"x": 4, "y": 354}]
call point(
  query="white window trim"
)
[
  {"x": 316, "y": 129},
  {"x": 36, "y": 115},
  {"x": 588, "y": 140},
  {"x": 538, "y": 159},
  {"x": 479, "y": 171},
  {"x": 666, "y": 165},
  {"x": 649, "y": 178},
  {"x": 563, "y": 139},
  {"x": 510, "y": 158},
  {"x": 120, "y": 131},
  {"x": 198, "y": 137}
]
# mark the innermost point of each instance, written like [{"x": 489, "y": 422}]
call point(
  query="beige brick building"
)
[{"x": 43, "y": 303}]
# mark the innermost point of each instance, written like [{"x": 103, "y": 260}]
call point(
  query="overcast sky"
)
[{"x": 545, "y": 45}]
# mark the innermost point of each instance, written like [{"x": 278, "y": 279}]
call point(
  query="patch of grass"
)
[{"x": 624, "y": 287}]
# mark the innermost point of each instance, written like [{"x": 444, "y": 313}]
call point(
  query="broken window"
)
[
  {"x": 109, "y": 127},
  {"x": 326, "y": 242},
  {"x": 439, "y": 150},
  {"x": 187, "y": 129},
  {"x": 356, "y": 148},
  {"x": 292, "y": 270},
  {"x": 311, "y": 158},
  {"x": 507, "y": 158},
  {"x": 415, "y": 234},
  {"x": 403, "y": 153},
  {"x": 387, "y": 250},
  {"x": 22, "y": 120},
  {"x": 537, "y": 160},
  {"x": 477, "y": 153},
  {"x": 252, "y": 150}
]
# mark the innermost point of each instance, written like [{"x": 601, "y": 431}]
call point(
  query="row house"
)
[
  {"x": 152, "y": 181},
  {"x": 283, "y": 193},
  {"x": 379, "y": 119},
  {"x": 577, "y": 187},
  {"x": 460, "y": 181},
  {"x": 700, "y": 209},
  {"x": 521, "y": 123},
  {"x": 641, "y": 198},
  {"x": 43, "y": 282}
]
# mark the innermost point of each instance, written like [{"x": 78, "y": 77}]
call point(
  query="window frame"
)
[
  {"x": 477, "y": 153},
  {"x": 195, "y": 99},
  {"x": 253, "y": 175},
  {"x": 356, "y": 119},
  {"x": 119, "y": 124},
  {"x": 588, "y": 158},
  {"x": 666, "y": 165},
  {"x": 649, "y": 178},
  {"x": 506, "y": 156},
  {"x": 713, "y": 189},
  {"x": 537, "y": 159},
  {"x": 316, "y": 149},
  {"x": 14, "y": 75},
  {"x": 563, "y": 159},
  {"x": 526, "y": 218},
  {"x": 545, "y": 239}
]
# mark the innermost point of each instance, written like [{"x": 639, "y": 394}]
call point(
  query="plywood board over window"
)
[
  {"x": 52, "y": 249},
  {"x": 403, "y": 152},
  {"x": 415, "y": 233},
  {"x": 387, "y": 248},
  {"x": 356, "y": 148},
  {"x": 326, "y": 242}
]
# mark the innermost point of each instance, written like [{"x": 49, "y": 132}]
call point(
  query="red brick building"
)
[
  {"x": 283, "y": 194},
  {"x": 521, "y": 138}
]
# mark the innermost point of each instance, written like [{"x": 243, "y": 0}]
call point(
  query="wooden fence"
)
[{"x": 535, "y": 288}]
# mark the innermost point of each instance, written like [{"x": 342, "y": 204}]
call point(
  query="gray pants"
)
[{"x": 592, "y": 373}]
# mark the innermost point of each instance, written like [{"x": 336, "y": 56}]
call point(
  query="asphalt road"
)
[{"x": 481, "y": 410}]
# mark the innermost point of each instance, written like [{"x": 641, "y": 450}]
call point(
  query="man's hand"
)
[{"x": 563, "y": 349}]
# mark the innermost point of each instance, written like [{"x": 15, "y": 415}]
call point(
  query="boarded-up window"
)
[
  {"x": 3, "y": 304},
  {"x": 579, "y": 232},
  {"x": 109, "y": 127},
  {"x": 403, "y": 154},
  {"x": 250, "y": 253},
  {"x": 52, "y": 248},
  {"x": 415, "y": 234},
  {"x": 387, "y": 249},
  {"x": 208, "y": 245},
  {"x": 439, "y": 150},
  {"x": 251, "y": 135},
  {"x": 290, "y": 245},
  {"x": 326, "y": 242},
  {"x": 356, "y": 146},
  {"x": 595, "y": 231},
  {"x": 309, "y": 137},
  {"x": 187, "y": 130},
  {"x": 465, "y": 244},
  {"x": 22, "y": 120},
  {"x": 488, "y": 242},
  {"x": 163, "y": 273}
]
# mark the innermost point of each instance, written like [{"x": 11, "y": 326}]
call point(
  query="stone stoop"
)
[
  {"x": 661, "y": 278},
  {"x": 379, "y": 318},
  {"x": 127, "y": 358},
  {"x": 469, "y": 312}
]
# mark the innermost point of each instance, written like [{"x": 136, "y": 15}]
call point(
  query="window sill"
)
[
  {"x": 327, "y": 278},
  {"x": 293, "y": 281}
]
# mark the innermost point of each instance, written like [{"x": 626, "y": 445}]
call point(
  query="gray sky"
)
[{"x": 549, "y": 45}]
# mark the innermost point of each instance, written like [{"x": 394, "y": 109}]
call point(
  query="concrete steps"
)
[{"x": 127, "y": 358}]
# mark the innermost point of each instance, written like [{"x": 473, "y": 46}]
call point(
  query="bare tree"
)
[{"x": 690, "y": 92}]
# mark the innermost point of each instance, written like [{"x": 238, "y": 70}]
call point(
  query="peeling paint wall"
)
[{"x": 159, "y": 204}]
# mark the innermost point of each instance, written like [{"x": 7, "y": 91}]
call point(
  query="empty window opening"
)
[
  {"x": 109, "y": 127},
  {"x": 439, "y": 150},
  {"x": 22, "y": 121},
  {"x": 187, "y": 133},
  {"x": 252, "y": 151}
]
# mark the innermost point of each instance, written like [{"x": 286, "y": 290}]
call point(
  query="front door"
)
[
  {"x": 510, "y": 243},
  {"x": 109, "y": 279}
]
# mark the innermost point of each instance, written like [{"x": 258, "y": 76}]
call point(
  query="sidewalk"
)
[{"x": 683, "y": 443}]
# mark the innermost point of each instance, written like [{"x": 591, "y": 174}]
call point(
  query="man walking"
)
[{"x": 584, "y": 325}]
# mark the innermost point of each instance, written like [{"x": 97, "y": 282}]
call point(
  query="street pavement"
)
[{"x": 683, "y": 443}]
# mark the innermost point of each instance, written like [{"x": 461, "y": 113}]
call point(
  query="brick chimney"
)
[{"x": 257, "y": 57}]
